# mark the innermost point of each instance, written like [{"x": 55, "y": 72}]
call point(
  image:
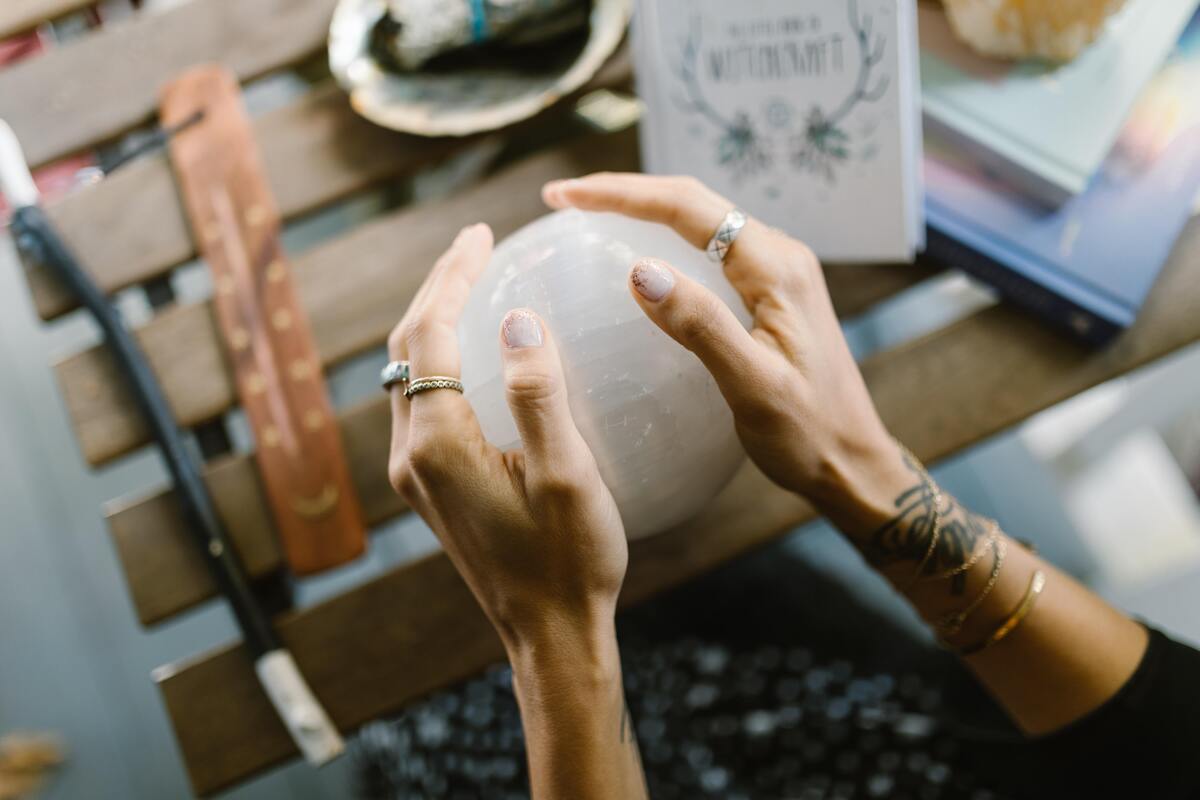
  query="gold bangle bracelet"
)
[
  {"x": 952, "y": 623},
  {"x": 1036, "y": 584}
]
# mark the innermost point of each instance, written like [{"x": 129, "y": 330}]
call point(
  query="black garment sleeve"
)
[{"x": 1143, "y": 743}]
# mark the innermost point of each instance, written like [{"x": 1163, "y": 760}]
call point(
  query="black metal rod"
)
[{"x": 35, "y": 235}]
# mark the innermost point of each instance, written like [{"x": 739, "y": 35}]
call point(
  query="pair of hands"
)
[{"x": 535, "y": 533}]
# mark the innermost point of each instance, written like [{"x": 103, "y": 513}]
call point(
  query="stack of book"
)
[{"x": 1065, "y": 187}]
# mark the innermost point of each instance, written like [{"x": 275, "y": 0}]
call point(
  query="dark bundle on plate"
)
[
  {"x": 455, "y": 34},
  {"x": 457, "y": 67}
]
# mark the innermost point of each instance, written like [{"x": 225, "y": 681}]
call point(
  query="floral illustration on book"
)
[{"x": 751, "y": 144}]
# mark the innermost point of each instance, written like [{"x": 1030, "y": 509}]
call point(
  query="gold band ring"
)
[{"x": 418, "y": 385}]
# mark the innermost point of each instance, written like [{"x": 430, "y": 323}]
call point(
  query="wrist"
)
[
  {"x": 858, "y": 484},
  {"x": 576, "y": 645}
]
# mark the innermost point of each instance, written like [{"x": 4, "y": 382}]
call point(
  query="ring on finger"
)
[
  {"x": 726, "y": 235},
  {"x": 395, "y": 372},
  {"x": 431, "y": 382}
]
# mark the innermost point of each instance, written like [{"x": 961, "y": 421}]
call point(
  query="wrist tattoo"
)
[{"x": 907, "y": 536}]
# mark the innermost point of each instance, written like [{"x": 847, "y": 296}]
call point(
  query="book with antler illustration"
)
[{"x": 806, "y": 113}]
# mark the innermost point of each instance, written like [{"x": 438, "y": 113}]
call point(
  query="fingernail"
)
[
  {"x": 653, "y": 279},
  {"x": 522, "y": 329},
  {"x": 552, "y": 192}
]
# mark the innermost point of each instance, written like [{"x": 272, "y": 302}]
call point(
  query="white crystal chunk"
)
[{"x": 660, "y": 430}]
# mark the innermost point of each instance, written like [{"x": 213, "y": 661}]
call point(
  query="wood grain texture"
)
[
  {"x": 163, "y": 571},
  {"x": 101, "y": 85},
  {"x": 373, "y": 649},
  {"x": 130, "y": 227},
  {"x": 17, "y": 16}
]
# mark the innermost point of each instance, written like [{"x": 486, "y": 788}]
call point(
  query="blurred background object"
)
[
  {"x": 26, "y": 762},
  {"x": 454, "y": 67},
  {"x": 1057, "y": 30}
]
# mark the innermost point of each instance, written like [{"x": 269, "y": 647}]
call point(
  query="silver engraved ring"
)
[
  {"x": 418, "y": 385},
  {"x": 395, "y": 372},
  {"x": 726, "y": 235}
]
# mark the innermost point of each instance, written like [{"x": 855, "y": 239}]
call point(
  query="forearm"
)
[
  {"x": 579, "y": 735},
  {"x": 1070, "y": 654}
]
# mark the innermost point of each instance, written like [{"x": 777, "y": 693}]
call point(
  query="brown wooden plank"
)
[
  {"x": 130, "y": 227},
  {"x": 855, "y": 288},
  {"x": 372, "y": 649},
  {"x": 96, "y": 87},
  {"x": 17, "y": 16},
  {"x": 165, "y": 574}
]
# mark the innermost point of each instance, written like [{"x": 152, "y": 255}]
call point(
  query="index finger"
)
[
  {"x": 682, "y": 203},
  {"x": 429, "y": 329}
]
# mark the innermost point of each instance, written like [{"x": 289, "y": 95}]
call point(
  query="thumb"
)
[
  {"x": 696, "y": 318},
  {"x": 537, "y": 395}
]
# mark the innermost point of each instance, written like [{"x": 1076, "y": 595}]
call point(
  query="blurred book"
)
[
  {"x": 1044, "y": 128},
  {"x": 805, "y": 114},
  {"x": 1088, "y": 265}
]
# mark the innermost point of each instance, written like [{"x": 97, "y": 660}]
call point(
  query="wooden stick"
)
[{"x": 264, "y": 328}]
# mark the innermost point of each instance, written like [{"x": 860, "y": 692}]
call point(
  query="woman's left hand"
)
[{"x": 535, "y": 532}]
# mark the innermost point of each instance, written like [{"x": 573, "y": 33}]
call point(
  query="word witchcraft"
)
[{"x": 775, "y": 60}]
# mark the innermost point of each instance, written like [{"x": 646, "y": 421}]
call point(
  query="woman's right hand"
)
[
  {"x": 801, "y": 408},
  {"x": 805, "y": 417}
]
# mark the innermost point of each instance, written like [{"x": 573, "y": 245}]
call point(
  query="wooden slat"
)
[
  {"x": 130, "y": 227},
  {"x": 373, "y": 649},
  {"x": 182, "y": 344},
  {"x": 855, "y": 288},
  {"x": 165, "y": 574},
  {"x": 94, "y": 88},
  {"x": 17, "y": 16}
]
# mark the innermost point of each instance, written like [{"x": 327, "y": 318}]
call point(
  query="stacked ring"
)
[
  {"x": 432, "y": 382},
  {"x": 399, "y": 372}
]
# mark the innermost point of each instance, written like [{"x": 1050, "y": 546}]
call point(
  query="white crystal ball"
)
[{"x": 660, "y": 430}]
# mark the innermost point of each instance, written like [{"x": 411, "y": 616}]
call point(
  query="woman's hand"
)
[
  {"x": 805, "y": 417},
  {"x": 535, "y": 533},
  {"x": 801, "y": 408}
]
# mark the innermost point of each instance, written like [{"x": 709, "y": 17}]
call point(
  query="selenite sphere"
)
[{"x": 660, "y": 430}]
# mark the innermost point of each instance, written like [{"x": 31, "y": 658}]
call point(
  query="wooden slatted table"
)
[{"x": 384, "y": 643}]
